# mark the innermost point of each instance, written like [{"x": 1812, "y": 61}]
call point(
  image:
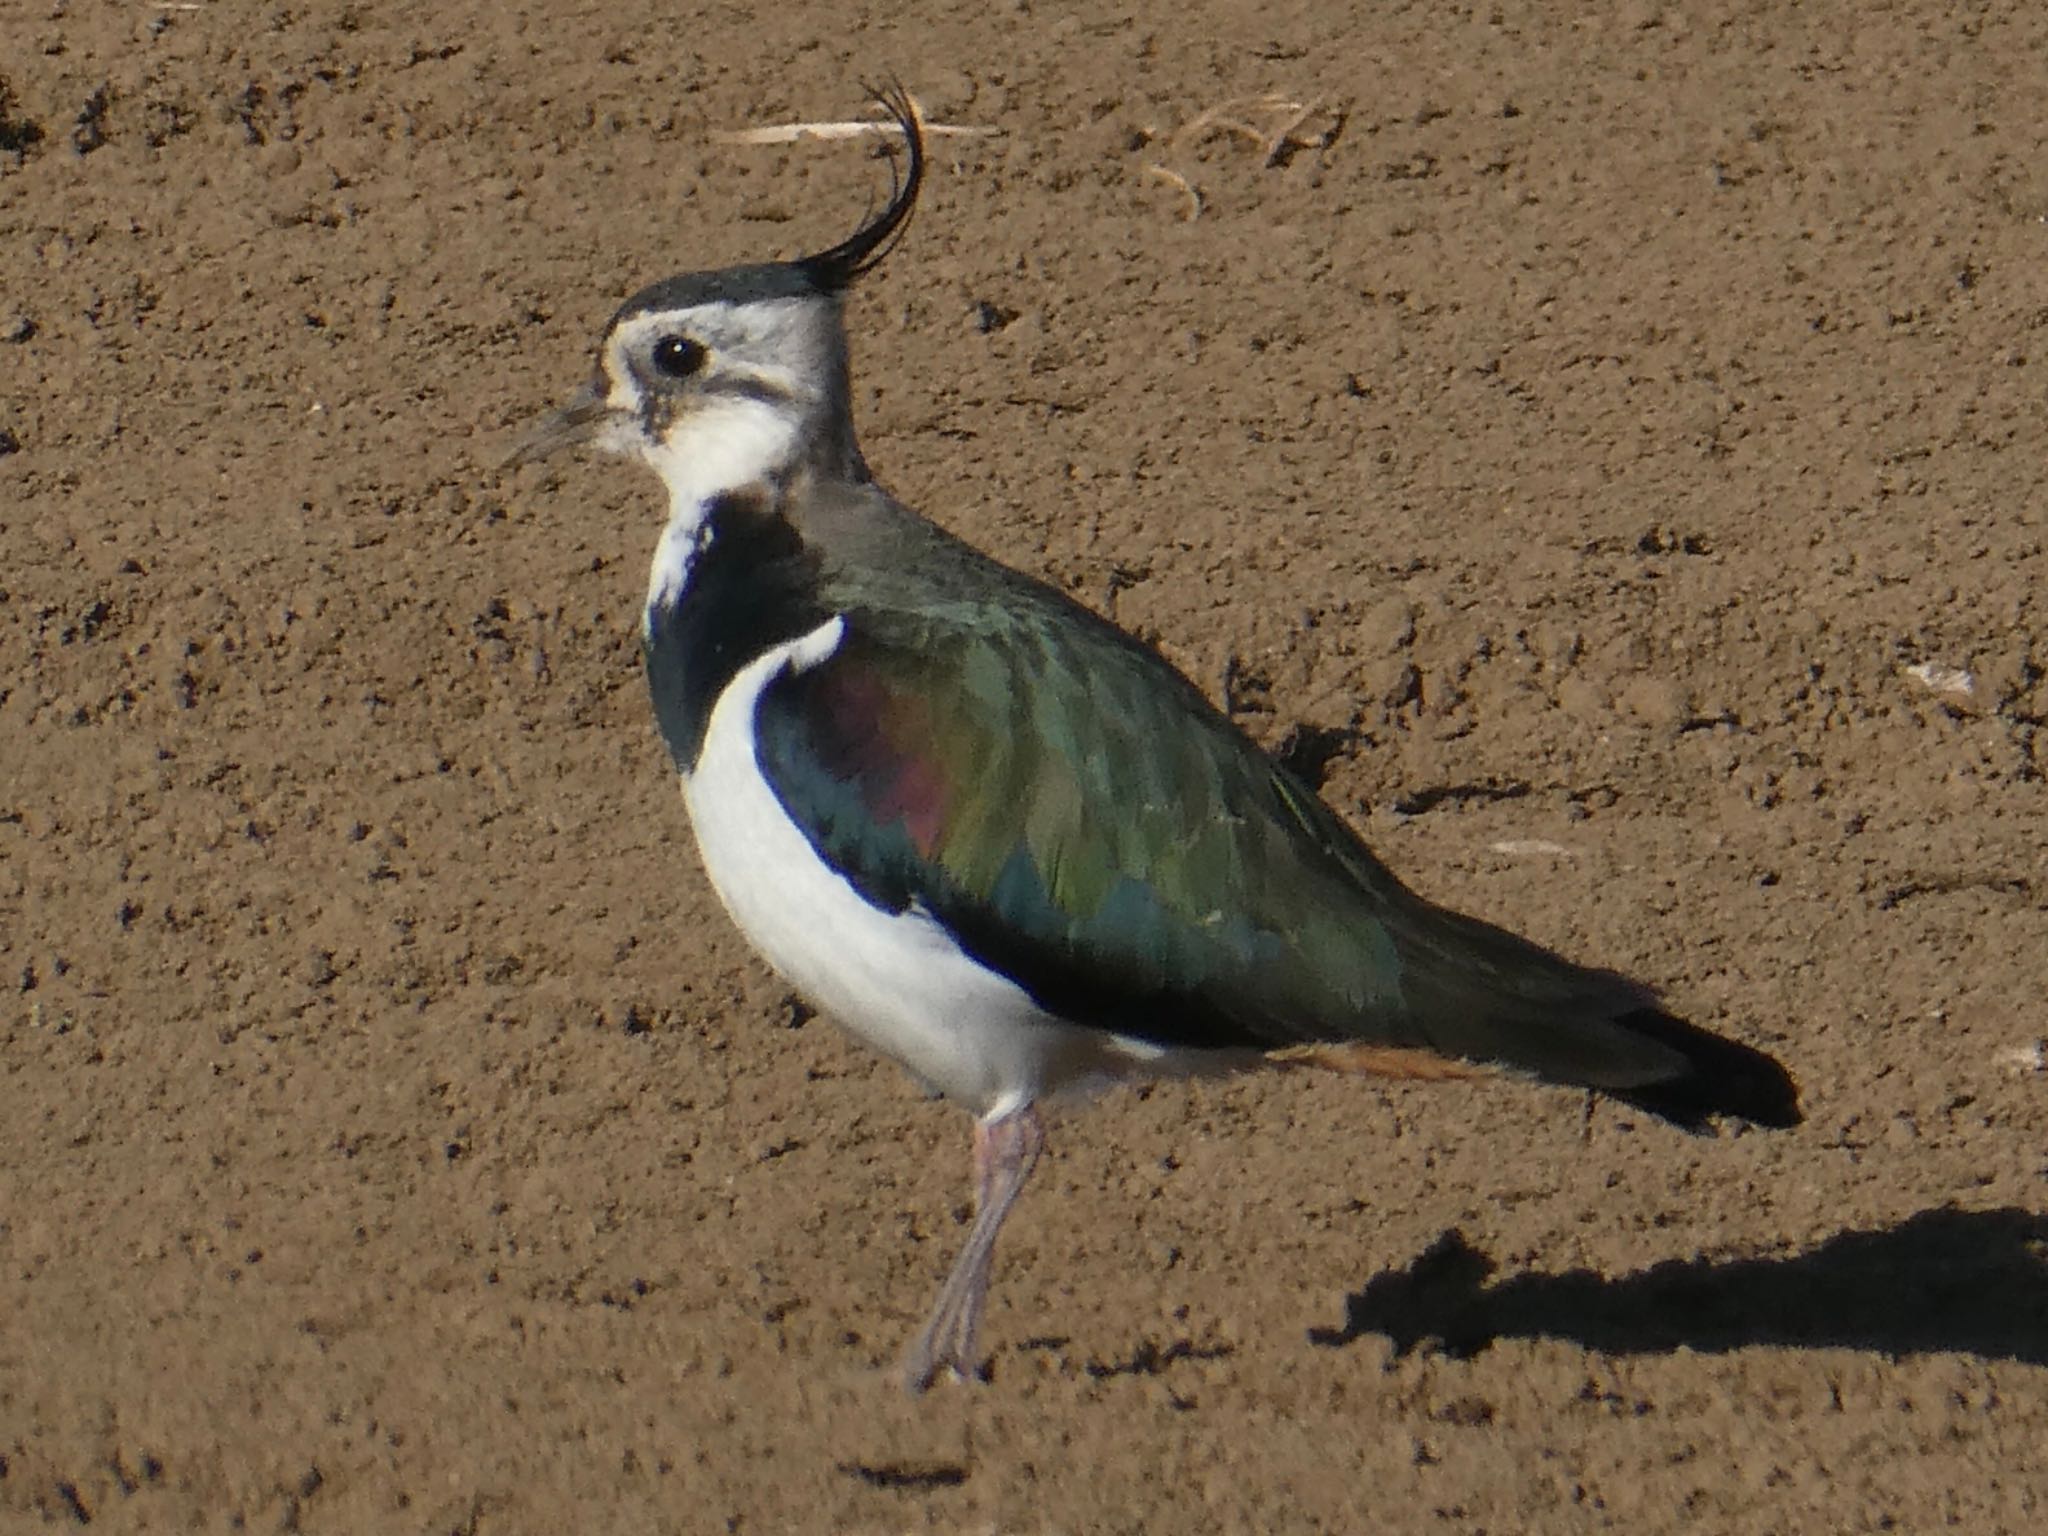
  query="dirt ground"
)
[{"x": 1604, "y": 443}]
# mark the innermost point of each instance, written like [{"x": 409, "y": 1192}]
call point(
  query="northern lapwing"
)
[{"x": 992, "y": 834}]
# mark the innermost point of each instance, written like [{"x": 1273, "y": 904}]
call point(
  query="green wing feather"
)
[
  {"x": 1084, "y": 821},
  {"x": 1092, "y": 826}
]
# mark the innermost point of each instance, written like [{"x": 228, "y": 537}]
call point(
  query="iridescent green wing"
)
[{"x": 1084, "y": 822}]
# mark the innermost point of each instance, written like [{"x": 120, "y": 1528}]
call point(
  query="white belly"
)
[{"x": 897, "y": 980}]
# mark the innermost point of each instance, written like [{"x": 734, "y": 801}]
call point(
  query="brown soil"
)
[{"x": 1570, "y": 459}]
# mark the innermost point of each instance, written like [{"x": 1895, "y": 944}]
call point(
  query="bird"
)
[{"x": 990, "y": 833}]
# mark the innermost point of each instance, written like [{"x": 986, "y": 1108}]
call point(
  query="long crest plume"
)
[{"x": 865, "y": 249}]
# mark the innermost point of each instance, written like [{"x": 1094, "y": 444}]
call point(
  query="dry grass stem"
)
[
  {"x": 1273, "y": 124},
  {"x": 791, "y": 133},
  {"x": 1183, "y": 186}
]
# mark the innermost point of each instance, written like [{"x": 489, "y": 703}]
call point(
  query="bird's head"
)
[{"x": 718, "y": 379}]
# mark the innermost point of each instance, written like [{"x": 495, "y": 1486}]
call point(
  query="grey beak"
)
[{"x": 577, "y": 421}]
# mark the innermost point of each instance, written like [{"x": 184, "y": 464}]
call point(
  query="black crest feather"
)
[{"x": 863, "y": 250}]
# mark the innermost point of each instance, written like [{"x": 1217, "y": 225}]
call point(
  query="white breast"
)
[{"x": 895, "y": 979}]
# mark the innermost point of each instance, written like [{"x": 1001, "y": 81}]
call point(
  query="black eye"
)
[{"x": 677, "y": 357}]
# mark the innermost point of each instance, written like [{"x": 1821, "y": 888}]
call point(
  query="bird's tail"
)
[
  {"x": 1478, "y": 993},
  {"x": 1719, "y": 1077}
]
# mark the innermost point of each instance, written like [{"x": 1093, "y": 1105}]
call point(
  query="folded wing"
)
[{"x": 1085, "y": 822}]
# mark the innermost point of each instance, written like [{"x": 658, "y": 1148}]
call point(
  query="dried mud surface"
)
[{"x": 1599, "y": 451}]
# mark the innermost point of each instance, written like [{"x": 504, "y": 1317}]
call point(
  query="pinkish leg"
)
[{"x": 1005, "y": 1150}]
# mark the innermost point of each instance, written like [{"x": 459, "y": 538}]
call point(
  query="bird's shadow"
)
[{"x": 1944, "y": 1281}]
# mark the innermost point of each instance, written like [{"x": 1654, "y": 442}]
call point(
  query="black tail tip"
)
[{"x": 1722, "y": 1078}]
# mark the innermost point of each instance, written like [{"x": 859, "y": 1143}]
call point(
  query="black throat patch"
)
[{"x": 752, "y": 586}]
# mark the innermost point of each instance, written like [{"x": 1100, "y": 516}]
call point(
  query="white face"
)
[
  {"x": 771, "y": 349},
  {"x": 715, "y": 398},
  {"x": 718, "y": 395}
]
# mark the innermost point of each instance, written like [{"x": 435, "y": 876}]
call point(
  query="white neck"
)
[{"x": 720, "y": 447}]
